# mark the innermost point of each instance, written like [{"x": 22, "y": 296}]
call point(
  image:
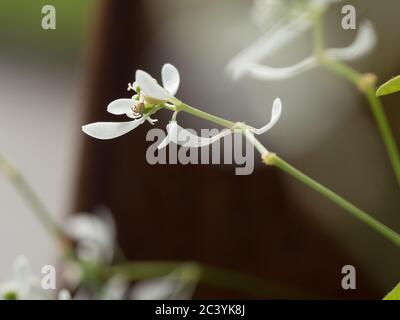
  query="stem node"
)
[
  {"x": 268, "y": 158},
  {"x": 367, "y": 81}
]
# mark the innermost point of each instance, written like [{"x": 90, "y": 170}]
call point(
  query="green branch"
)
[
  {"x": 219, "y": 277},
  {"x": 28, "y": 194},
  {"x": 273, "y": 159}
]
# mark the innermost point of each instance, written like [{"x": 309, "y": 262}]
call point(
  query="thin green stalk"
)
[
  {"x": 204, "y": 115},
  {"x": 319, "y": 40},
  {"x": 214, "y": 276},
  {"x": 28, "y": 194},
  {"x": 343, "y": 70},
  {"x": 384, "y": 128},
  {"x": 273, "y": 159},
  {"x": 365, "y": 83}
]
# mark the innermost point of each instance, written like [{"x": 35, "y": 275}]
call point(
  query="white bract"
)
[
  {"x": 249, "y": 61},
  {"x": 95, "y": 235},
  {"x": 142, "y": 105},
  {"x": 24, "y": 285},
  {"x": 64, "y": 295},
  {"x": 116, "y": 288},
  {"x": 183, "y": 137},
  {"x": 178, "y": 285}
]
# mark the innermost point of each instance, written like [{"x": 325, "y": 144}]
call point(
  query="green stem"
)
[
  {"x": 319, "y": 40},
  {"x": 273, "y": 159},
  {"x": 364, "y": 82},
  {"x": 214, "y": 276},
  {"x": 204, "y": 115},
  {"x": 28, "y": 194},
  {"x": 343, "y": 70},
  {"x": 385, "y": 131}
]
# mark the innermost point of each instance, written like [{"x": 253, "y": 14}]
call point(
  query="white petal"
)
[
  {"x": 365, "y": 41},
  {"x": 183, "y": 137},
  {"x": 170, "y": 78},
  {"x": 64, "y": 295},
  {"x": 121, "y": 106},
  {"x": 269, "y": 43},
  {"x": 171, "y": 287},
  {"x": 110, "y": 130},
  {"x": 153, "y": 289},
  {"x": 263, "y": 72},
  {"x": 150, "y": 87},
  {"x": 275, "y": 115},
  {"x": 114, "y": 289},
  {"x": 95, "y": 235},
  {"x": 172, "y": 132}
]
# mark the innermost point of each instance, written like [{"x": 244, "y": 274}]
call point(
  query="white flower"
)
[
  {"x": 141, "y": 106},
  {"x": 114, "y": 289},
  {"x": 64, "y": 295},
  {"x": 95, "y": 235},
  {"x": 248, "y": 62},
  {"x": 183, "y": 137},
  {"x": 24, "y": 285},
  {"x": 178, "y": 285}
]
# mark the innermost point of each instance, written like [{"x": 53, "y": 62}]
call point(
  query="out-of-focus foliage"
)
[{"x": 20, "y": 26}]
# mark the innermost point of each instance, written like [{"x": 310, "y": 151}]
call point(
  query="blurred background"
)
[{"x": 265, "y": 224}]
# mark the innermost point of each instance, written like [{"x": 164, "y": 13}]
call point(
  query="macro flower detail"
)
[
  {"x": 186, "y": 138},
  {"x": 149, "y": 98},
  {"x": 249, "y": 61}
]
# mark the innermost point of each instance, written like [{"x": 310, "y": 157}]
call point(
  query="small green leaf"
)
[
  {"x": 389, "y": 87},
  {"x": 394, "y": 294}
]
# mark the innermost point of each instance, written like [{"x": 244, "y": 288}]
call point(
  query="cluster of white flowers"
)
[
  {"x": 95, "y": 237},
  {"x": 152, "y": 97},
  {"x": 25, "y": 285},
  {"x": 249, "y": 62},
  {"x": 142, "y": 105}
]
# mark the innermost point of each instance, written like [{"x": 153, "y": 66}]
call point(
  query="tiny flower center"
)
[{"x": 139, "y": 107}]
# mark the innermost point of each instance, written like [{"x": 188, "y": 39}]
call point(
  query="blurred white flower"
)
[
  {"x": 95, "y": 235},
  {"x": 183, "y": 137},
  {"x": 178, "y": 285},
  {"x": 24, "y": 285},
  {"x": 141, "y": 106},
  {"x": 64, "y": 295},
  {"x": 115, "y": 288},
  {"x": 248, "y": 62}
]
